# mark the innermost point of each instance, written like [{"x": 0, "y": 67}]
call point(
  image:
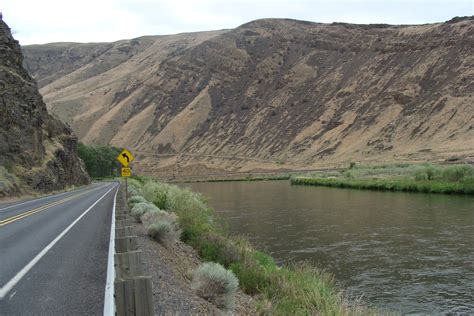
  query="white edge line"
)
[
  {"x": 45, "y": 197},
  {"x": 10, "y": 284},
  {"x": 109, "y": 303}
]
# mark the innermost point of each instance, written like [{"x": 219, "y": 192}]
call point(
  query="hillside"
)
[
  {"x": 37, "y": 151},
  {"x": 270, "y": 94}
]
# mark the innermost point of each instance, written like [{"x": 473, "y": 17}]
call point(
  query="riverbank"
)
[
  {"x": 426, "y": 178},
  {"x": 246, "y": 178},
  {"x": 289, "y": 289}
]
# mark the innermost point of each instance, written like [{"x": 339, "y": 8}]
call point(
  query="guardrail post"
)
[
  {"x": 128, "y": 265},
  {"x": 125, "y": 244},
  {"x": 123, "y": 231},
  {"x": 134, "y": 296}
]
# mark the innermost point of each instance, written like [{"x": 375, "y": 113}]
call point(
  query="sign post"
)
[{"x": 125, "y": 158}]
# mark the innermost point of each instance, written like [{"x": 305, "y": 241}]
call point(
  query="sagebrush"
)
[
  {"x": 214, "y": 283},
  {"x": 160, "y": 229},
  {"x": 141, "y": 208}
]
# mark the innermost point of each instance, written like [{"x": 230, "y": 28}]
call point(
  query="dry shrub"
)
[
  {"x": 135, "y": 200},
  {"x": 140, "y": 209},
  {"x": 160, "y": 224},
  {"x": 214, "y": 283},
  {"x": 154, "y": 216},
  {"x": 160, "y": 229}
]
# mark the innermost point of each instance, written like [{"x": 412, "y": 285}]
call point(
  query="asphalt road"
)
[{"x": 54, "y": 253}]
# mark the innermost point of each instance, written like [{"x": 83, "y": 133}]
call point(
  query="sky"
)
[{"x": 45, "y": 21}]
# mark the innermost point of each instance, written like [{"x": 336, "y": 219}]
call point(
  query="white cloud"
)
[{"x": 107, "y": 20}]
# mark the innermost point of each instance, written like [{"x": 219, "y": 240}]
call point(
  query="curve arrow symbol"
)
[{"x": 126, "y": 157}]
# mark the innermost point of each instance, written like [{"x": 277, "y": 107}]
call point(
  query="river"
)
[{"x": 405, "y": 252}]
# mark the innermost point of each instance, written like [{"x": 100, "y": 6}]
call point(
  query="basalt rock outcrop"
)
[
  {"x": 37, "y": 152},
  {"x": 270, "y": 94}
]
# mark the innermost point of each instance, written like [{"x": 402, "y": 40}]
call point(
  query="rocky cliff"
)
[
  {"x": 37, "y": 151},
  {"x": 270, "y": 94}
]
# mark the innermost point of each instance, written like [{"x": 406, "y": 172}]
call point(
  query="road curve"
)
[{"x": 54, "y": 252}]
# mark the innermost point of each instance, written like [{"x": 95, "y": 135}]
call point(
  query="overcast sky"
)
[{"x": 44, "y": 21}]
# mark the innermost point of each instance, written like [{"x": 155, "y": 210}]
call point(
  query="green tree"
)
[{"x": 99, "y": 160}]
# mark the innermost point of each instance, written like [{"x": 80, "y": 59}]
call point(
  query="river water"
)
[{"x": 406, "y": 252}]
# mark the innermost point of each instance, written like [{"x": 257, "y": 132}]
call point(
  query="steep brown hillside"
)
[
  {"x": 37, "y": 151},
  {"x": 271, "y": 94}
]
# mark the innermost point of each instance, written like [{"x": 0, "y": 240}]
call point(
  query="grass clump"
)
[
  {"x": 302, "y": 289},
  {"x": 458, "y": 173},
  {"x": 195, "y": 217},
  {"x": 253, "y": 278},
  {"x": 426, "y": 174},
  {"x": 215, "y": 247},
  {"x": 214, "y": 283}
]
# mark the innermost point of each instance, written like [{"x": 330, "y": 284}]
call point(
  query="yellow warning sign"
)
[
  {"x": 126, "y": 172},
  {"x": 125, "y": 157}
]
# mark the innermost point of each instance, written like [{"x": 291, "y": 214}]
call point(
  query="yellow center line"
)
[{"x": 36, "y": 210}]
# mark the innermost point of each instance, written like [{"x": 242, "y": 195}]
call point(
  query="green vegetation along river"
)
[{"x": 406, "y": 252}]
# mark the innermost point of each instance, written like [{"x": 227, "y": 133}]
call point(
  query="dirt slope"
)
[
  {"x": 270, "y": 94},
  {"x": 37, "y": 151}
]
